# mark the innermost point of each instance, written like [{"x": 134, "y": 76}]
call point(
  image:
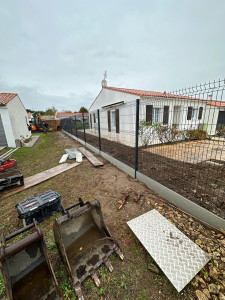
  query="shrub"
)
[
  {"x": 149, "y": 133},
  {"x": 220, "y": 130},
  {"x": 196, "y": 134}
]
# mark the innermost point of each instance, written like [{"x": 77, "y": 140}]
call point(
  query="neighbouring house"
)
[
  {"x": 62, "y": 115},
  {"x": 29, "y": 117},
  {"x": 13, "y": 120},
  {"x": 117, "y": 112}
]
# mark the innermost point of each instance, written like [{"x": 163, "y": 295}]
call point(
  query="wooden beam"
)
[
  {"x": 39, "y": 178},
  {"x": 96, "y": 162}
]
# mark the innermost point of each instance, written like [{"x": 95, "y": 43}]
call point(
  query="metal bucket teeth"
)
[
  {"x": 97, "y": 282},
  {"x": 108, "y": 265},
  {"x": 78, "y": 292},
  {"x": 119, "y": 253}
]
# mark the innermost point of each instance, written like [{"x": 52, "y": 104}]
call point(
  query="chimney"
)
[
  {"x": 210, "y": 97},
  {"x": 104, "y": 82}
]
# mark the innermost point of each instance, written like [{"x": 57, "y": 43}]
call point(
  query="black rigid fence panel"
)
[{"x": 181, "y": 140}]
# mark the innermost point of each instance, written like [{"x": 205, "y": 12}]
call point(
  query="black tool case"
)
[
  {"x": 39, "y": 208},
  {"x": 11, "y": 179}
]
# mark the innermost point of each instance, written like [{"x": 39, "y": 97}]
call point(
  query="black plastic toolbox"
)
[{"x": 39, "y": 208}]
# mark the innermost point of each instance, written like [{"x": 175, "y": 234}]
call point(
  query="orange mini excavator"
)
[{"x": 38, "y": 124}]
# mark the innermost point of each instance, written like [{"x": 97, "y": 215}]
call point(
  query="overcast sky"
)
[{"x": 54, "y": 53}]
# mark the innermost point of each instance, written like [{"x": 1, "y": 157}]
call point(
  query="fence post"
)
[
  {"x": 136, "y": 137},
  {"x": 76, "y": 126},
  {"x": 70, "y": 125},
  {"x": 99, "y": 132},
  {"x": 84, "y": 129}
]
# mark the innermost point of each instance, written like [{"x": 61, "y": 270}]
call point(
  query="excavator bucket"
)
[
  {"x": 26, "y": 268},
  {"x": 84, "y": 242}
]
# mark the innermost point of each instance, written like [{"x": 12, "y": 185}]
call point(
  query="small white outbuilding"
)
[{"x": 13, "y": 120}]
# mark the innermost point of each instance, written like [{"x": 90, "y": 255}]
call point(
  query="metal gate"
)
[{"x": 3, "y": 141}]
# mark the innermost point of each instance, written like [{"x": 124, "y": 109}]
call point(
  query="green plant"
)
[
  {"x": 150, "y": 133},
  {"x": 66, "y": 288},
  {"x": 143, "y": 295},
  {"x": 204, "y": 273},
  {"x": 220, "y": 130},
  {"x": 52, "y": 245},
  {"x": 213, "y": 185},
  {"x": 2, "y": 286},
  {"x": 196, "y": 134},
  {"x": 145, "y": 132}
]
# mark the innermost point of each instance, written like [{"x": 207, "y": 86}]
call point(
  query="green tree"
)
[
  {"x": 83, "y": 110},
  {"x": 41, "y": 112},
  {"x": 50, "y": 111}
]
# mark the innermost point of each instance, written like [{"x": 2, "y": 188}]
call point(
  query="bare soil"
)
[
  {"x": 200, "y": 182},
  {"x": 131, "y": 279}
]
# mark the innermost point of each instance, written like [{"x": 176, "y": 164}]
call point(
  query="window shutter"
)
[
  {"x": 94, "y": 118},
  {"x": 91, "y": 121},
  {"x": 149, "y": 113},
  {"x": 200, "y": 113},
  {"x": 166, "y": 115},
  {"x": 117, "y": 121},
  {"x": 189, "y": 112},
  {"x": 109, "y": 121}
]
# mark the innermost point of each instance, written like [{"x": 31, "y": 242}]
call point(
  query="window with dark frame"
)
[{"x": 149, "y": 109}]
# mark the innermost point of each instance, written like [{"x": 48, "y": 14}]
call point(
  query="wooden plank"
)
[
  {"x": 96, "y": 162},
  {"x": 39, "y": 178}
]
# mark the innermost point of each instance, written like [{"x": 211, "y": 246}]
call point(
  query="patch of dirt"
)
[
  {"x": 130, "y": 279},
  {"x": 201, "y": 183}
]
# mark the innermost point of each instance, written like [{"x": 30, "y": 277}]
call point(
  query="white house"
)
[
  {"x": 117, "y": 112},
  {"x": 13, "y": 120}
]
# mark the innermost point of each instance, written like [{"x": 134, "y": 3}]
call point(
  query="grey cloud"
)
[{"x": 55, "y": 53}]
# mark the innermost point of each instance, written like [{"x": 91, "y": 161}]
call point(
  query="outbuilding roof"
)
[
  {"x": 6, "y": 97},
  {"x": 141, "y": 92}
]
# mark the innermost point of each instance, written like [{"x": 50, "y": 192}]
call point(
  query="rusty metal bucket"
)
[
  {"x": 26, "y": 268},
  {"x": 84, "y": 242}
]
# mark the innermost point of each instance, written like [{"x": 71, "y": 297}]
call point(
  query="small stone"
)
[
  {"x": 153, "y": 268},
  {"x": 206, "y": 293},
  {"x": 221, "y": 296},
  {"x": 200, "y": 295},
  {"x": 214, "y": 297},
  {"x": 216, "y": 254},
  {"x": 213, "y": 273},
  {"x": 198, "y": 242},
  {"x": 213, "y": 289},
  {"x": 194, "y": 284}
]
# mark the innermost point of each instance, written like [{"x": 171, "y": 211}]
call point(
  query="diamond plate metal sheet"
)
[{"x": 177, "y": 256}]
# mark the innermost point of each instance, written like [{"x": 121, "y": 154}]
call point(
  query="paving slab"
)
[{"x": 178, "y": 257}]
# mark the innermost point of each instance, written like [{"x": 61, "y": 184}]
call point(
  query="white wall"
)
[
  {"x": 107, "y": 97},
  {"x": 18, "y": 118},
  {"x": 7, "y": 126},
  {"x": 211, "y": 118}
]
